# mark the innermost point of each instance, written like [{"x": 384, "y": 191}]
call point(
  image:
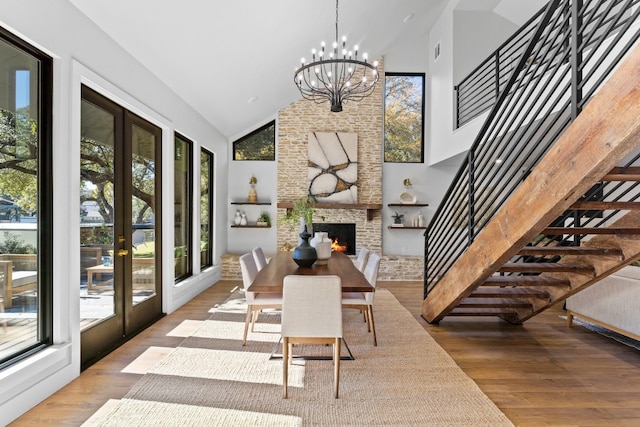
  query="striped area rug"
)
[{"x": 211, "y": 379}]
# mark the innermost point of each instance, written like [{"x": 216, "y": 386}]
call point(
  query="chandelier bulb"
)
[
  {"x": 321, "y": 53},
  {"x": 302, "y": 61},
  {"x": 375, "y": 64},
  {"x": 356, "y": 49},
  {"x": 335, "y": 45}
]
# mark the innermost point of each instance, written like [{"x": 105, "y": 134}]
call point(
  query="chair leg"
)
[
  {"x": 246, "y": 324},
  {"x": 253, "y": 319},
  {"x": 373, "y": 325},
  {"x": 336, "y": 362},
  {"x": 4, "y": 321},
  {"x": 285, "y": 365}
]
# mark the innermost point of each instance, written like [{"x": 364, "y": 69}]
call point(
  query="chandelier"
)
[{"x": 338, "y": 78}]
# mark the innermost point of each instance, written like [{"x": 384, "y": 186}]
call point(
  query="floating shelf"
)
[
  {"x": 250, "y": 226},
  {"x": 369, "y": 207},
  {"x": 250, "y": 203},
  {"x": 407, "y": 205},
  {"x": 390, "y": 227}
]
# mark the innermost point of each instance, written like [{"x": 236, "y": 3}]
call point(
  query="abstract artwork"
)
[{"x": 333, "y": 167}]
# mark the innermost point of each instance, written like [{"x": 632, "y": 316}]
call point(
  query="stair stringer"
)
[{"x": 600, "y": 137}]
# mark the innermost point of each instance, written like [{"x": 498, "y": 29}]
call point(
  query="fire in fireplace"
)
[{"x": 342, "y": 235}]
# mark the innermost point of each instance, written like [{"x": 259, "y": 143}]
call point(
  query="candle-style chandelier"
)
[{"x": 339, "y": 78}]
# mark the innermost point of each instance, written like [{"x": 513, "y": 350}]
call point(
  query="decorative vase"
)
[
  {"x": 253, "y": 195},
  {"x": 322, "y": 245},
  {"x": 243, "y": 219},
  {"x": 304, "y": 228},
  {"x": 237, "y": 218},
  {"x": 304, "y": 254}
]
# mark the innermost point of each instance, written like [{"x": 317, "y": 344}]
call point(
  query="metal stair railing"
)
[{"x": 574, "y": 48}]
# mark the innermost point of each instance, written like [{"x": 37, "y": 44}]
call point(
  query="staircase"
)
[{"x": 547, "y": 201}]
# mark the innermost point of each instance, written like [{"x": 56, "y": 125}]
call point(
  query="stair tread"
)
[
  {"x": 494, "y": 292},
  {"x": 494, "y": 303},
  {"x": 525, "y": 281},
  {"x": 568, "y": 250},
  {"x": 544, "y": 267},
  {"x": 557, "y": 231}
]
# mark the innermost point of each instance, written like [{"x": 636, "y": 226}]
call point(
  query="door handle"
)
[{"x": 123, "y": 252}]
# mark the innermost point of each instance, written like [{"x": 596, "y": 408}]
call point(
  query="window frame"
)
[
  {"x": 251, "y": 134},
  {"x": 44, "y": 175},
  {"x": 187, "y": 221},
  {"x": 211, "y": 159},
  {"x": 422, "y": 107}
]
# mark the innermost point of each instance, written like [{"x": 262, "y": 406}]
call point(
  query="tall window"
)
[
  {"x": 182, "y": 187},
  {"x": 404, "y": 118},
  {"x": 25, "y": 214},
  {"x": 206, "y": 209},
  {"x": 258, "y": 145}
]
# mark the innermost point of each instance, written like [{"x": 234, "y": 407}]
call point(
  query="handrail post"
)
[
  {"x": 471, "y": 196},
  {"x": 576, "y": 57},
  {"x": 497, "y": 61}
]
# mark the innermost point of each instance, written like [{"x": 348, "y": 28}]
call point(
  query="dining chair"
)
[
  {"x": 255, "y": 302},
  {"x": 258, "y": 256},
  {"x": 363, "y": 301},
  {"x": 361, "y": 261},
  {"x": 311, "y": 314}
]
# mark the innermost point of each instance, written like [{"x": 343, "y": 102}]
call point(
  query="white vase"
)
[
  {"x": 243, "y": 219},
  {"x": 237, "y": 218},
  {"x": 322, "y": 244}
]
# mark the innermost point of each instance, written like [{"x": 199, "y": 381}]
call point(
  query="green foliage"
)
[
  {"x": 403, "y": 119},
  {"x": 302, "y": 208},
  {"x": 264, "y": 217},
  {"x": 13, "y": 244},
  {"x": 258, "y": 145},
  {"x": 18, "y": 158}
]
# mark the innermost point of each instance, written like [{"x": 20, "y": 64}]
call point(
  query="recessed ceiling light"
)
[
  {"x": 252, "y": 100},
  {"x": 409, "y": 17}
]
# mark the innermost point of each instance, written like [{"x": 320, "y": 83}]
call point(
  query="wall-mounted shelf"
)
[
  {"x": 250, "y": 203},
  {"x": 407, "y": 205},
  {"x": 391, "y": 227},
  {"x": 369, "y": 207},
  {"x": 250, "y": 226}
]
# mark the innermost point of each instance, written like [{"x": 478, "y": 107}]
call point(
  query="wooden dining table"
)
[{"x": 270, "y": 278}]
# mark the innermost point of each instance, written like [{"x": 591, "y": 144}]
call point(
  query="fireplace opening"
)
[{"x": 342, "y": 235}]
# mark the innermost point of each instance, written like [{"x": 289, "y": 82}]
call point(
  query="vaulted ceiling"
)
[{"x": 233, "y": 61}]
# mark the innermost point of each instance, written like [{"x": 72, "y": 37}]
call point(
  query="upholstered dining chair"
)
[
  {"x": 361, "y": 260},
  {"x": 311, "y": 314},
  {"x": 255, "y": 301},
  {"x": 258, "y": 256},
  {"x": 363, "y": 301}
]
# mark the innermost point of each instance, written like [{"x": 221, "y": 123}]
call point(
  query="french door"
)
[{"x": 120, "y": 241}]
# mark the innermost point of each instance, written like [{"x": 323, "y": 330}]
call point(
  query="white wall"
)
[{"x": 83, "y": 54}]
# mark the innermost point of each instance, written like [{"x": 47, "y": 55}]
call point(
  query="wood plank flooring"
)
[{"x": 539, "y": 374}]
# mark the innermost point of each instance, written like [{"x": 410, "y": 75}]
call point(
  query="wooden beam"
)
[
  {"x": 602, "y": 205},
  {"x": 606, "y": 131},
  {"x": 623, "y": 174}
]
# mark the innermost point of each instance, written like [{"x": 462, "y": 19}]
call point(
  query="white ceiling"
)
[{"x": 217, "y": 55}]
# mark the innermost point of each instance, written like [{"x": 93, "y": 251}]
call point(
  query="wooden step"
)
[
  {"x": 623, "y": 174},
  {"x": 495, "y": 292},
  {"x": 585, "y": 205},
  {"x": 558, "y": 231},
  {"x": 481, "y": 312},
  {"x": 569, "y": 250},
  {"x": 545, "y": 267},
  {"x": 494, "y": 303},
  {"x": 525, "y": 281}
]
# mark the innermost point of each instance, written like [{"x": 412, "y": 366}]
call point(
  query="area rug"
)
[{"x": 211, "y": 379}]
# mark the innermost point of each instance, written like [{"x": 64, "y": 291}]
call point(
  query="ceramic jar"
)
[
  {"x": 304, "y": 254},
  {"x": 322, "y": 245}
]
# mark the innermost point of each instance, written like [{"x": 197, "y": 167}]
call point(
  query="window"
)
[
  {"x": 258, "y": 145},
  {"x": 25, "y": 213},
  {"x": 182, "y": 206},
  {"x": 206, "y": 209},
  {"x": 404, "y": 118}
]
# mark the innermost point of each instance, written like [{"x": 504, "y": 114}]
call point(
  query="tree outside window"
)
[
  {"x": 258, "y": 145},
  {"x": 404, "y": 118}
]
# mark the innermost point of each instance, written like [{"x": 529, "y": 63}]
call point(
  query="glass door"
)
[{"x": 120, "y": 290}]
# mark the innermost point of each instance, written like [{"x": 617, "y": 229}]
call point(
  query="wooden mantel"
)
[{"x": 369, "y": 207}]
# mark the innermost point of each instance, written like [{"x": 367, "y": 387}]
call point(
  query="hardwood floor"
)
[{"x": 539, "y": 374}]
